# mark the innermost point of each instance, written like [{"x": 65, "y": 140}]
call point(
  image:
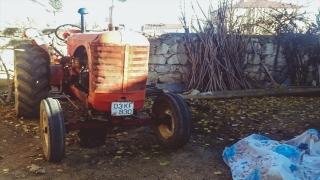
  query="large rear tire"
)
[
  {"x": 53, "y": 133},
  {"x": 31, "y": 82},
  {"x": 174, "y": 131}
]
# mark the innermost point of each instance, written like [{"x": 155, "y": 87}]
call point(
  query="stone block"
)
[
  {"x": 253, "y": 48},
  {"x": 164, "y": 36},
  {"x": 152, "y": 77},
  {"x": 181, "y": 49},
  {"x": 249, "y": 49},
  {"x": 152, "y": 50},
  {"x": 253, "y": 58},
  {"x": 167, "y": 54},
  {"x": 162, "y": 68},
  {"x": 174, "y": 68},
  {"x": 255, "y": 40},
  {"x": 245, "y": 59},
  {"x": 173, "y": 60},
  {"x": 184, "y": 69},
  {"x": 281, "y": 61},
  {"x": 267, "y": 49},
  {"x": 173, "y": 49},
  {"x": 257, "y": 48},
  {"x": 157, "y": 59},
  {"x": 270, "y": 60},
  {"x": 305, "y": 59},
  {"x": 183, "y": 59},
  {"x": 261, "y": 76},
  {"x": 171, "y": 77},
  {"x": 180, "y": 39},
  {"x": 170, "y": 40},
  {"x": 273, "y": 69},
  {"x": 162, "y": 49},
  {"x": 155, "y": 42},
  {"x": 280, "y": 53},
  {"x": 254, "y": 75},
  {"x": 263, "y": 41},
  {"x": 251, "y": 68},
  {"x": 151, "y": 67}
]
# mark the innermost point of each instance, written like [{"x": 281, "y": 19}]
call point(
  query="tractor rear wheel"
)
[
  {"x": 31, "y": 81},
  {"x": 52, "y": 127},
  {"x": 174, "y": 129}
]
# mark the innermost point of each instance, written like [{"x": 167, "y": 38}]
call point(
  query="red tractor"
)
[{"x": 105, "y": 70}]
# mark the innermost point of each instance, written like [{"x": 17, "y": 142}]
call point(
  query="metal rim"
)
[
  {"x": 45, "y": 132},
  {"x": 166, "y": 129}
]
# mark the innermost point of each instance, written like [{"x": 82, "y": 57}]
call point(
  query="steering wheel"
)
[{"x": 64, "y": 31}]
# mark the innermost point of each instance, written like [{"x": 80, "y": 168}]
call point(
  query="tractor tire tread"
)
[
  {"x": 182, "y": 132},
  {"x": 31, "y": 79}
]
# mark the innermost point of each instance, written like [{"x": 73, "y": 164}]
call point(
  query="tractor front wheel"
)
[
  {"x": 173, "y": 127},
  {"x": 52, "y": 130},
  {"x": 31, "y": 82}
]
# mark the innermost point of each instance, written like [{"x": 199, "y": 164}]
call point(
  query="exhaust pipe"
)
[
  {"x": 110, "y": 25},
  {"x": 83, "y": 11}
]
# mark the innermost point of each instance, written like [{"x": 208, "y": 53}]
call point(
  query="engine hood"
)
[{"x": 109, "y": 37}]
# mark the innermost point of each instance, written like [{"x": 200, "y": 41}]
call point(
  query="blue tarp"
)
[{"x": 258, "y": 157}]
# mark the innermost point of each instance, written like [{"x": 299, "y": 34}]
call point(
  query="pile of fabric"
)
[{"x": 258, "y": 157}]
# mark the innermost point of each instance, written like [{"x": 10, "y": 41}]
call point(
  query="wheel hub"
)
[{"x": 166, "y": 127}]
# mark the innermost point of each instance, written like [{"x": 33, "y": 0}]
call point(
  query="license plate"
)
[{"x": 121, "y": 108}]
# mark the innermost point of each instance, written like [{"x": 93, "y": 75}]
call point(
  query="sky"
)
[{"x": 133, "y": 13}]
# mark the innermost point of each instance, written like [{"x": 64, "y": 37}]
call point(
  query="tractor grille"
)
[
  {"x": 137, "y": 68},
  {"x": 118, "y": 68}
]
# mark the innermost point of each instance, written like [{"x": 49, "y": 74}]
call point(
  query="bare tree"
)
[
  {"x": 56, "y": 6},
  {"x": 111, "y": 27},
  {"x": 215, "y": 52}
]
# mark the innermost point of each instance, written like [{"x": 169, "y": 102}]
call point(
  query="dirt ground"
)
[{"x": 133, "y": 152}]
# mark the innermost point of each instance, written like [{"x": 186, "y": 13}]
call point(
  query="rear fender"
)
[
  {"x": 34, "y": 35},
  {"x": 39, "y": 42}
]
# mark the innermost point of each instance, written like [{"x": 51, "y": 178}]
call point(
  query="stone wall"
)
[
  {"x": 263, "y": 54},
  {"x": 168, "y": 64}
]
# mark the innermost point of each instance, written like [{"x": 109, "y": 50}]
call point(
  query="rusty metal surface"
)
[
  {"x": 118, "y": 68},
  {"x": 80, "y": 39},
  {"x": 137, "y": 68},
  {"x": 56, "y": 74},
  {"x": 107, "y": 68},
  {"x": 80, "y": 95}
]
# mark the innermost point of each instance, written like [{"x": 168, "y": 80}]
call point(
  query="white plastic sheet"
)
[{"x": 258, "y": 157}]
